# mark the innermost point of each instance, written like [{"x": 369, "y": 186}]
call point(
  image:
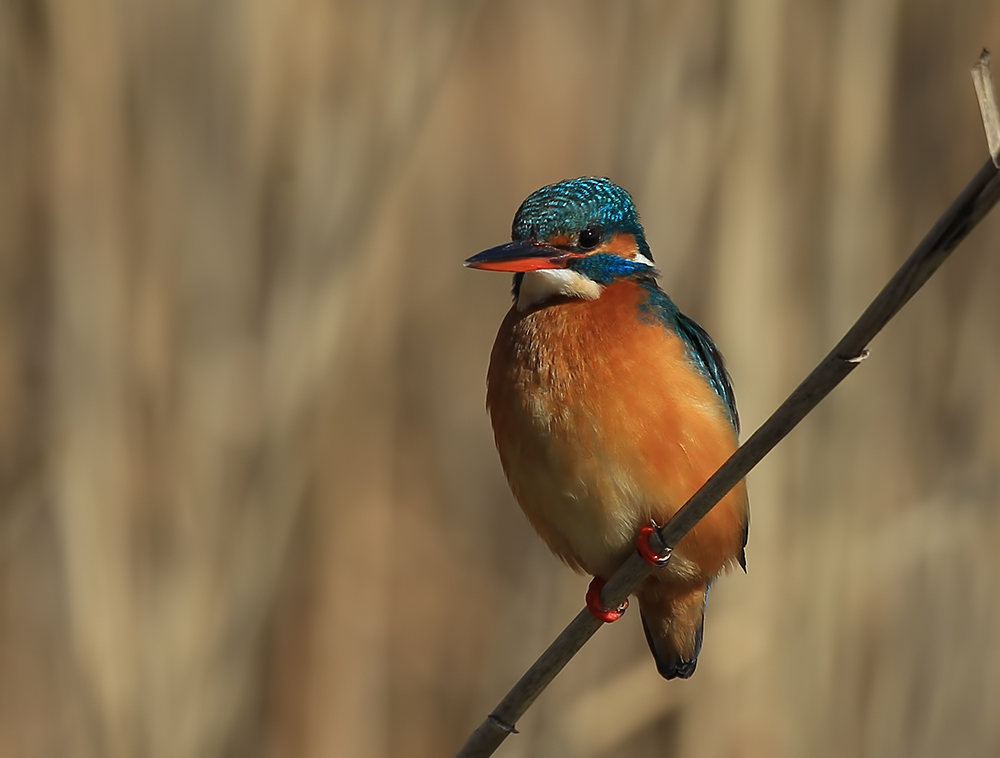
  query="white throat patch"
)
[{"x": 538, "y": 286}]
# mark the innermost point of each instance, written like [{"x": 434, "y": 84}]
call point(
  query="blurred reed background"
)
[{"x": 249, "y": 502}]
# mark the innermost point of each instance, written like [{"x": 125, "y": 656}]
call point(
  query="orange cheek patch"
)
[
  {"x": 622, "y": 244},
  {"x": 559, "y": 239}
]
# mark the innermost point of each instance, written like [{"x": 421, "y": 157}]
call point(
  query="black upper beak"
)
[{"x": 522, "y": 255}]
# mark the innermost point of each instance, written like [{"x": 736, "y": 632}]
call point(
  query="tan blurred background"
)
[{"x": 249, "y": 502}]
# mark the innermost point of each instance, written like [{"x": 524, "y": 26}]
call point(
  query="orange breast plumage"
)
[{"x": 604, "y": 422}]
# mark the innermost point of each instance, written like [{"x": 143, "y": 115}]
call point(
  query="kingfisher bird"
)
[{"x": 610, "y": 408}]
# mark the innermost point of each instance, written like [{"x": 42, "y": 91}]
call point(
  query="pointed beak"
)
[{"x": 524, "y": 255}]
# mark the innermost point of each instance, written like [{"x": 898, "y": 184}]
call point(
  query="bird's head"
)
[{"x": 571, "y": 239}]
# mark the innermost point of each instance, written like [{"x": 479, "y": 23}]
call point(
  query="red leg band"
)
[
  {"x": 642, "y": 545},
  {"x": 607, "y": 615}
]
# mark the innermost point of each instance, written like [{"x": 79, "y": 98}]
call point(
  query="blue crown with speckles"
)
[{"x": 572, "y": 205}]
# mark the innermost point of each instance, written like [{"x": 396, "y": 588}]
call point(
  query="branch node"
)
[
  {"x": 982, "y": 78},
  {"x": 508, "y": 728},
  {"x": 865, "y": 352}
]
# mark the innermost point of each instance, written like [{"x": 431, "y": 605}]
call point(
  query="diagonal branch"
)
[{"x": 968, "y": 209}]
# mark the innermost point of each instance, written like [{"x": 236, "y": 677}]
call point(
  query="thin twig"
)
[
  {"x": 982, "y": 77},
  {"x": 978, "y": 197}
]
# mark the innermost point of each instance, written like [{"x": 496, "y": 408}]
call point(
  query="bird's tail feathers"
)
[{"x": 674, "y": 627}]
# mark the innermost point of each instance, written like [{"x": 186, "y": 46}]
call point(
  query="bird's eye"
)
[{"x": 590, "y": 238}]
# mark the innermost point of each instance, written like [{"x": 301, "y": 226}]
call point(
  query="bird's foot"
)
[
  {"x": 659, "y": 560},
  {"x": 607, "y": 615}
]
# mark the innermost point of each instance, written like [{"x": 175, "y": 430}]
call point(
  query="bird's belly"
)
[
  {"x": 584, "y": 506},
  {"x": 603, "y": 424}
]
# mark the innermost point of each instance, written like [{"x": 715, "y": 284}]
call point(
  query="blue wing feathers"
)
[
  {"x": 709, "y": 360},
  {"x": 701, "y": 347}
]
